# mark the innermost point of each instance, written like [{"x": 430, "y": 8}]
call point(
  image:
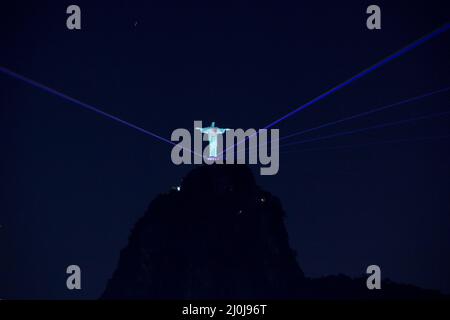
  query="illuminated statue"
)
[{"x": 212, "y": 133}]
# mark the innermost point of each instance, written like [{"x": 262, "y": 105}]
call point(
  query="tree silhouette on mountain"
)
[{"x": 220, "y": 236}]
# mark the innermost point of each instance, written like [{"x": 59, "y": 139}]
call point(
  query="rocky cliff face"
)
[{"x": 219, "y": 236}]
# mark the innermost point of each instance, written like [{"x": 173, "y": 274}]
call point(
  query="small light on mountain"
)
[
  {"x": 263, "y": 200},
  {"x": 178, "y": 188},
  {"x": 240, "y": 212}
]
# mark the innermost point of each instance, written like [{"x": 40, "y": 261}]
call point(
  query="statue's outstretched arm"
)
[{"x": 203, "y": 130}]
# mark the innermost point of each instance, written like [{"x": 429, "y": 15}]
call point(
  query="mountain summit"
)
[{"x": 220, "y": 236}]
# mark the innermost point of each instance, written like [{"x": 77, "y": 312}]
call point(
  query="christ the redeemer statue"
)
[{"x": 212, "y": 133}]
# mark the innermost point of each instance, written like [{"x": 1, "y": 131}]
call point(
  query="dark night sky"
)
[{"x": 73, "y": 183}]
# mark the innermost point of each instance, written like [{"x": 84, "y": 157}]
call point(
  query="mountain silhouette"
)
[{"x": 220, "y": 236}]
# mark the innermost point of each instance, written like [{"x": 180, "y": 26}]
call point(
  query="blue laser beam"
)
[
  {"x": 86, "y": 106},
  {"x": 349, "y": 146},
  {"x": 379, "y": 126},
  {"x": 366, "y": 113},
  {"x": 366, "y": 71}
]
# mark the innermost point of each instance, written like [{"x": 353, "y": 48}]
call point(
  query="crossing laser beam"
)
[
  {"x": 86, "y": 106},
  {"x": 366, "y": 113},
  {"x": 366, "y": 71},
  {"x": 379, "y": 126}
]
